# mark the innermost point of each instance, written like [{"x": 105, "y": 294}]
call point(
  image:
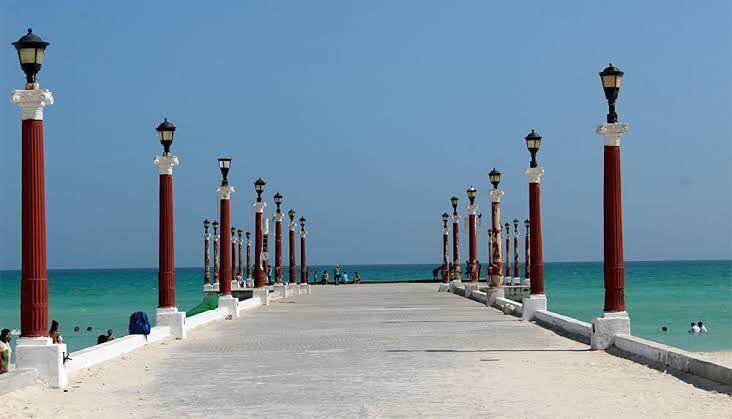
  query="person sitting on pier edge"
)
[
  {"x": 101, "y": 339},
  {"x": 54, "y": 334},
  {"x": 5, "y": 350},
  {"x": 357, "y": 278},
  {"x": 345, "y": 278},
  {"x": 324, "y": 280}
]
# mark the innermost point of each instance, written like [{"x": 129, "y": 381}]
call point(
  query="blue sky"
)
[{"x": 367, "y": 117}]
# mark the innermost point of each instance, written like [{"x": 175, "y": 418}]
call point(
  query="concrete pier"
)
[{"x": 401, "y": 350}]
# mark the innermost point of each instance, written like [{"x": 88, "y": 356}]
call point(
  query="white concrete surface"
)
[
  {"x": 532, "y": 304},
  {"x": 16, "y": 379},
  {"x": 206, "y": 317},
  {"x": 262, "y": 294},
  {"x": 668, "y": 356},
  {"x": 229, "y": 303},
  {"x": 568, "y": 325},
  {"x": 43, "y": 356},
  {"x": 174, "y": 319},
  {"x": 606, "y": 327}
]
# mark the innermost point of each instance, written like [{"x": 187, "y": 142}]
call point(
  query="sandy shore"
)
[{"x": 372, "y": 352}]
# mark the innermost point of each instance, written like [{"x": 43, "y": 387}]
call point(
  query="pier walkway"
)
[{"x": 370, "y": 350}]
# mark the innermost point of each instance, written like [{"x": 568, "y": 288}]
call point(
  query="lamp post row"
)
[{"x": 614, "y": 319}]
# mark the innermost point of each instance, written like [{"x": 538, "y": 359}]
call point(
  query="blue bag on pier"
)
[{"x": 139, "y": 324}]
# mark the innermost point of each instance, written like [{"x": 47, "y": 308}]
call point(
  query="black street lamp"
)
[
  {"x": 445, "y": 217},
  {"x": 206, "y": 224},
  {"x": 515, "y": 225},
  {"x": 31, "y": 50},
  {"x": 533, "y": 141},
  {"x": 495, "y": 177},
  {"x": 224, "y": 165},
  {"x": 291, "y": 214},
  {"x": 259, "y": 187},
  {"x": 526, "y": 223},
  {"x": 278, "y": 201},
  {"x": 166, "y": 131},
  {"x": 302, "y": 223},
  {"x": 471, "y": 195},
  {"x": 611, "y": 77},
  {"x": 454, "y": 202}
]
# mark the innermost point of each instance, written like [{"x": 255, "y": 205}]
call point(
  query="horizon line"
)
[{"x": 379, "y": 264}]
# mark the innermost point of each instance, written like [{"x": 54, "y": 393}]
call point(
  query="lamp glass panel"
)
[
  {"x": 612, "y": 80},
  {"x": 28, "y": 55}
]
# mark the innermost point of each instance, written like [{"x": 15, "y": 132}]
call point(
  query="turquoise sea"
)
[{"x": 657, "y": 293}]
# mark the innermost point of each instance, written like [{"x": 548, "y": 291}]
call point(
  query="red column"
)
[
  {"x": 303, "y": 264},
  {"x": 508, "y": 253},
  {"x": 233, "y": 258},
  {"x": 497, "y": 262},
  {"x": 265, "y": 249},
  {"x": 535, "y": 247},
  {"x": 292, "y": 279},
  {"x": 206, "y": 258},
  {"x": 166, "y": 253},
  {"x": 225, "y": 247},
  {"x": 527, "y": 253},
  {"x": 445, "y": 256},
  {"x": 258, "y": 245},
  {"x": 278, "y": 247},
  {"x": 216, "y": 256},
  {"x": 456, "y": 247},
  {"x": 33, "y": 282},
  {"x": 472, "y": 245},
  {"x": 516, "y": 273},
  {"x": 614, "y": 265}
]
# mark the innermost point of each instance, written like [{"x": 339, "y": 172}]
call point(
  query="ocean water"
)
[{"x": 657, "y": 293}]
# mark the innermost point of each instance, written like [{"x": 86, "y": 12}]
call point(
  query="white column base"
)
[
  {"x": 491, "y": 294},
  {"x": 263, "y": 294},
  {"x": 444, "y": 287},
  {"x": 304, "y": 288},
  {"x": 526, "y": 281},
  {"x": 280, "y": 289},
  {"x": 235, "y": 285},
  {"x": 606, "y": 327},
  {"x": 174, "y": 319},
  {"x": 231, "y": 305},
  {"x": 531, "y": 305},
  {"x": 207, "y": 287},
  {"x": 44, "y": 357}
]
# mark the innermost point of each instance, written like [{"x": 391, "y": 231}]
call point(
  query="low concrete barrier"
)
[
  {"x": 667, "y": 356},
  {"x": 500, "y": 302},
  {"x": 249, "y": 304},
  {"x": 567, "y": 326},
  {"x": 87, "y": 357},
  {"x": 478, "y": 296},
  {"x": 17, "y": 379},
  {"x": 204, "y": 318}
]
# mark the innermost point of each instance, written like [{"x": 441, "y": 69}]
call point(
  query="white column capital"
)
[
  {"x": 265, "y": 227},
  {"x": 612, "y": 132},
  {"x": 225, "y": 191},
  {"x": 259, "y": 206},
  {"x": 303, "y": 234},
  {"x": 496, "y": 195},
  {"x": 207, "y": 236},
  {"x": 534, "y": 174},
  {"x": 165, "y": 164},
  {"x": 472, "y": 209},
  {"x": 278, "y": 217},
  {"x": 32, "y": 102},
  {"x": 445, "y": 231},
  {"x": 456, "y": 219},
  {"x": 291, "y": 226}
]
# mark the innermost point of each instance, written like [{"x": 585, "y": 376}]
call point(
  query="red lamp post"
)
[
  {"x": 240, "y": 244},
  {"x": 225, "y": 191},
  {"x": 507, "y": 276},
  {"x": 455, "y": 240},
  {"x": 303, "y": 263},
  {"x": 32, "y": 100},
  {"x": 166, "y": 253},
  {"x": 292, "y": 279},
  {"x": 215, "y": 225},
  {"x": 233, "y": 256},
  {"x": 278, "y": 238},
  {"x": 445, "y": 249},
  {"x": 614, "y": 319},
  {"x": 527, "y": 253},
  {"x": 206, "y": 258},
  {"x": 259, "y": 206},
  {"x": 536, "y": 300},
  {"x": 497, "y": 258},
  {"x": 472, "y": 235}
]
